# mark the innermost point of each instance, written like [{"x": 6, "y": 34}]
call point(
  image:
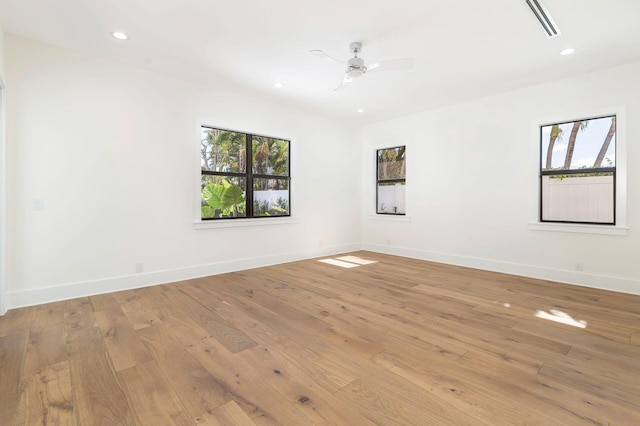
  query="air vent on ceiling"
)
[{"x": 544, "y": 17}]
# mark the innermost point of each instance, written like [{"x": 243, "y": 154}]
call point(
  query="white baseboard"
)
[
  {"x": 621, "y": 285},
  {"x": 21, "y": 298},
  {"x": 38, "y": 296}
]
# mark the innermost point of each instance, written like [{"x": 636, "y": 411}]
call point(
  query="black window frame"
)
[
  {"x": 249, "y": 176},
  {"x": 379, "y": 181},
  {"x": 586, "y": 171}
]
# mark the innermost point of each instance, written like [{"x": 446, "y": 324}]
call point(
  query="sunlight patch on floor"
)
[
  {"x": 356, "y": 259},
  {"x": 561, "y": 317},
  {"x": 347, "y": 261},
  {"x": 340, "y": 263}
]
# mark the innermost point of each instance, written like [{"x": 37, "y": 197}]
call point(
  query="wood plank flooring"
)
[{"x": 388, "y": 341}]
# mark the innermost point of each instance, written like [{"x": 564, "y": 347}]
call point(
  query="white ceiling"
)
[{"x": 463, "y": 49}]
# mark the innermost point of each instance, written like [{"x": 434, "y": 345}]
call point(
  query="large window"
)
[
  {"x": 243, "y": 175},
  {"x": 578, "y": 171},
  {"x": 391, "y": 182}
]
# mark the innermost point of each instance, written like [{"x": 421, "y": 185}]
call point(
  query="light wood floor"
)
[{"x": 398, "y": 341}]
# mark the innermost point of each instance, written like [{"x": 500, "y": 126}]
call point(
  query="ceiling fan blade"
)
[
  {"x": 394, "y": 64},
  {"x": 323, "y": 55},
  {"x": 345, "y": 82}
]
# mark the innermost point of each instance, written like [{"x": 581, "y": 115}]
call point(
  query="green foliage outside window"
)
[
  {"x": 222, "y": 200},
  {"x": 391, "y": 163},
  {"x": 270, "y": 156}
]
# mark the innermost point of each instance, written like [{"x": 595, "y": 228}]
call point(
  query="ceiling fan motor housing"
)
[{"x": 356, "y": 67}]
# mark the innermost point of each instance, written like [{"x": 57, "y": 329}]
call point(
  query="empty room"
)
[{"x": 278, "y": 212}]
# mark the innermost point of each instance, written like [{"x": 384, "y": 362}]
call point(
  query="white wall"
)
[
  {"x": 472, "y": 183},
  {"x": 113, "y": 154},
  {"x": 3, "y": 180},
  {"x": 1, "y": 51}
]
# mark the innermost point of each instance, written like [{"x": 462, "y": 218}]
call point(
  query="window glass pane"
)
[
  {"x": 391, "y": 198},
  {"x": 579, "y": 144},
  {"x": 587, "y": 197},
  {"x": 270, "y": 197},
  {"x": 270, "y": 156},
  {"x": 223, "y": 196},
  {"x": 223, "y": 151},
  {"x": 391, "y": 163}
]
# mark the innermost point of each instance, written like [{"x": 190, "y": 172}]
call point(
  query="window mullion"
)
[{"x": 249, "y": 170}]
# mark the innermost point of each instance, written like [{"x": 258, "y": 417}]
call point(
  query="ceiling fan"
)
[{"x": 356, "y": 67}]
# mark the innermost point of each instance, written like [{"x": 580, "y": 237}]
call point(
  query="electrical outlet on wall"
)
[
  {"x": 579, "y": 266},
  {"x": 139, "y": 267}
]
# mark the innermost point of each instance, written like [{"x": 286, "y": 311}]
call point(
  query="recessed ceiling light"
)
[
  {"x": 360, "y": 110},
  {"x": 279, "y": 85},
  {"x": 120, "y": 36},
  {"x": 568, "y": 51}
]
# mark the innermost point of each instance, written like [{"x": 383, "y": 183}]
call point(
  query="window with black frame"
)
[
  {"x": 390, "y": 181},
  {"x": 243, "y": 175},
  {"x": 578, "y": 171}
]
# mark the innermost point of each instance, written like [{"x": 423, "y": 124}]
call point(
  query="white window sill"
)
[
  {"x": 578, "y": 228},
  {"x": 239, "y": 223},
  {"x": 390, "y": 217}
]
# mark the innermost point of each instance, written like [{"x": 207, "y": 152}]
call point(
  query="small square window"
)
[{"x": 243, "y": 175}]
